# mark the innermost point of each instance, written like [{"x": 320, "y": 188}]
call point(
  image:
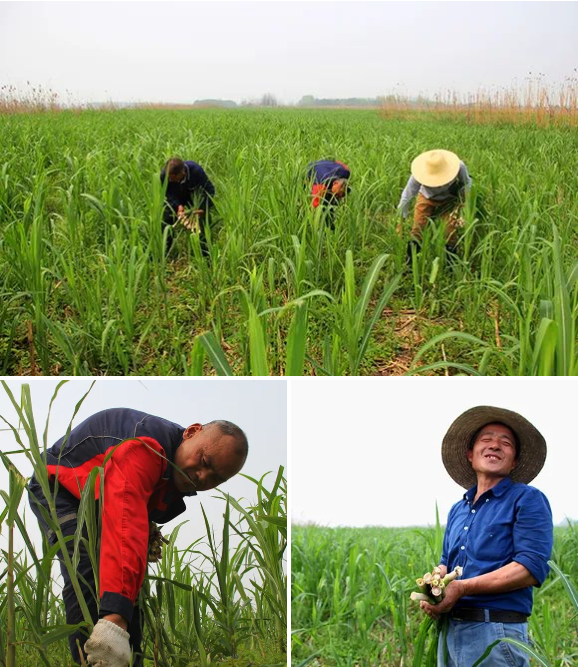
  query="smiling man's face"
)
[
  {"x": 494, "y": 451},
  {"x": 208, "y": 457}
]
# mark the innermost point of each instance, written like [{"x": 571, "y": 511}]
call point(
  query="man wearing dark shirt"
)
[
  {"x": 188, "y": 197},
  {"x": 150, "y": 465},
  {"x": 500, "y": 533}
]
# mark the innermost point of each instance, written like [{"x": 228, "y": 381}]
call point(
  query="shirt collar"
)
[
  {"x": 470, "y": 494},
  {"x": 498, "y": 490},
  {"x": 503, "y": 486}
]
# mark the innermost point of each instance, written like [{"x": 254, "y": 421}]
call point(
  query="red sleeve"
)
[
  {"x": 318, "y": 190},
  {"x": 130, "y": 478}
]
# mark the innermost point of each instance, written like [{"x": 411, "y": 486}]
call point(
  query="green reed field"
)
[
  {"x": 86, "y": 288},
  {"x": 350, "y": 598},
  {"x": 221, "y": 601}
]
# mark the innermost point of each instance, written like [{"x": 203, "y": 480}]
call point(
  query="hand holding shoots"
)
[
  {"x": 156, "y": 540},
  {"x": 432, "y": 585},
  {"x": 191, "y": 219}
]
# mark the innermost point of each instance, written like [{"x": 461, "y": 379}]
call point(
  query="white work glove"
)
[{"x": 107, "y": 645}]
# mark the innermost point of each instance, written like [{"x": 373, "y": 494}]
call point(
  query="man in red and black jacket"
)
[{"x": 142, "y": 483}]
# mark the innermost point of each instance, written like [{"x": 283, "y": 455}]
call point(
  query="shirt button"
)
[
  {"x": 473, "y": 511},
  {"x": 487, "y": 500},
  {"x": 463, "y": 547},
  {"x": 465, "y": 528}
]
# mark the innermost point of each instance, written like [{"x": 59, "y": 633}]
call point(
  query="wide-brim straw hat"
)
[
  {"x": 435, "y": 168},
  {"x": 459, "y": 435}
]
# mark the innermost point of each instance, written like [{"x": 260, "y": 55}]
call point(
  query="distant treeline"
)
[
  {"x": 269, "y": 100},
  {"x": 226, "y": 104},
  {"x": 311, "y": 101}
]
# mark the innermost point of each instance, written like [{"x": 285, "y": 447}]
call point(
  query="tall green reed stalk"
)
[
  {"x": 352, "y": 323},
  {"x": 12, "y": 500},
  {"x": 25, "y": 413}
]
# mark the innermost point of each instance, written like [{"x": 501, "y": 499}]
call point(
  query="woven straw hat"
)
[
  {"x": 435, "y": 168},
  {"x": 459, "y": 435}
]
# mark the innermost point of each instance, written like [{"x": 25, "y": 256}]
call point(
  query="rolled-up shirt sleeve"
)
[{"x": 533, "y": 534}]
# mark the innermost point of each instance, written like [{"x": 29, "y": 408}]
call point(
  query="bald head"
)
[
  {"x": 231, "y": 429},
  {"x": 209, "y": 455}
]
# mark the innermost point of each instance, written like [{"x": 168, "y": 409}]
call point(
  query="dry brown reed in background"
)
[
  {"x": 33, "y": 99},
  {"x": 533, "y": 103},
  {"x": 37, "y": 99}
]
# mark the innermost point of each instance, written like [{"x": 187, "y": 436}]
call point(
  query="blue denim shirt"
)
[{"x": 510, "y": 522}]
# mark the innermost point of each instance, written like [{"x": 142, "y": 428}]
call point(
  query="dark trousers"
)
[{"x": 67, "y": 511}]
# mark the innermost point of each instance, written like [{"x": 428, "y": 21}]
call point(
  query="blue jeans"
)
[{"x": 467, "y": 641}]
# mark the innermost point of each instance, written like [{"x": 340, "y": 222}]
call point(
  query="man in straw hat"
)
[
  {"x": 440, "y": 180},
  {"x": 500, "y": 533}
]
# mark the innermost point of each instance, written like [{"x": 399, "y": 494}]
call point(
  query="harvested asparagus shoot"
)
[
  {"x": 156, "y": 540},
  {"x": 432, "y": 587}
]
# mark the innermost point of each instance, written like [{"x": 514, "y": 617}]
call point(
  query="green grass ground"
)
[
  {"x": 350, "y": 602},
  {"x": 86, "y": 288}
]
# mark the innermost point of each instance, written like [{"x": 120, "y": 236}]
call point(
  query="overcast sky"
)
[
  {"x": 367, "y": 451},
  {"x": 259, "y": 407},
  {"x": 183, "y": 51}
]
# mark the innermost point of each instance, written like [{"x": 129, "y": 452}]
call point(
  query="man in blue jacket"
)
[
  {"x": 188, "y": 197},
  {"x": 329, "y": 181},
  {"x": 500, "y": 533}
]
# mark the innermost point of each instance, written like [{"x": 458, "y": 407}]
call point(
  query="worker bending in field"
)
[
  {"x": 153, "y": 465},
  {"x": 500, "y": 533},
  {"x": 440, "y": 180},
  {"x": 188, "y": 197},
  {"x": 329, "y": 182}
]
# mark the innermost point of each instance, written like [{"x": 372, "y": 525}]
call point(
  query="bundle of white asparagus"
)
[{"x": 432, "y": 585}]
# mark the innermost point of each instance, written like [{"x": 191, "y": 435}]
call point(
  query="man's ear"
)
[
  {"x": 192, "y": 430},
  {"x": 470, "y": 454}
]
